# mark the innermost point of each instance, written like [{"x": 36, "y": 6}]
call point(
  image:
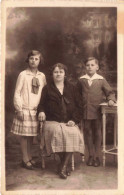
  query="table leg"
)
[
  {"x": 104, "y": 136},
  {"x": 72, "y": 162},
  {"x": 83, "y": 158},
  {"x": 43, "y": 162},
  {"x": 115, "y": 131}
]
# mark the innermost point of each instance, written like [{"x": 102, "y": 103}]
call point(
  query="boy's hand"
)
[
  {"x": 41, "y": 116},
  {"x": 20, "y": 115},
  {"x": 70, "y": 123},
  {"x": 111, "y": 103}
]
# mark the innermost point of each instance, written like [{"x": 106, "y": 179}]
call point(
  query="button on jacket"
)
[
  {"x": 94, "y": 91},
  {"x": 23, "y": 97},
  {"x": 52, "y": 101}
]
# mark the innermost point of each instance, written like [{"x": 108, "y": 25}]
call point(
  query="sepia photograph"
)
[{"x": 61, "y": 98}]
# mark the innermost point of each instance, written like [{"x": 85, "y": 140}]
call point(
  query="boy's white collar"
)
[{"x": 95, "y": 76}]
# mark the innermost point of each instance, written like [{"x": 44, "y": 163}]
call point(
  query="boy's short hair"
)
[
  {"x": 91, "y": 58},
  {"x": 33, "y": 53}
]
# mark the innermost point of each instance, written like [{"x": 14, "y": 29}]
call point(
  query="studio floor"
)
[{"x": 82, "y": 178}]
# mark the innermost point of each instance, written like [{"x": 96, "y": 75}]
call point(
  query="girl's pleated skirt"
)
[
  {"x": 57, "y": 137},
  {"x": 27, "y": 127}
]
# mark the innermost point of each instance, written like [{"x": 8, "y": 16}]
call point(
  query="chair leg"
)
[
  {"x": 43, "y": 162},
  {"x": 54, "y": 157},
  {"x": 83, "y": 158},
  {"x": 72, "y": 161}
]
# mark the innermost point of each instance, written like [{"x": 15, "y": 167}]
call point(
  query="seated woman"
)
[{"x": 61, "y": 109}]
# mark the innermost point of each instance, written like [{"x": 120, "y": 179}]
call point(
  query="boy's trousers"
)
[{"x": 93, "y": 136}]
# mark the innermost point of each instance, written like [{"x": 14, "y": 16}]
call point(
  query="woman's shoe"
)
[
  {"x": 63, "y": 173},
  {"x": 27, "y": 165}
]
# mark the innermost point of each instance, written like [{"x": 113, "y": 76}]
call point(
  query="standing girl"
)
[{"x": 26, "y": 99}]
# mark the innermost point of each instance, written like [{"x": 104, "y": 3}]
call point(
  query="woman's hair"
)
[
  {"x": 59, "y": 65},
  {"x": 33, "y": 53},
  {"x": 92, "y": 58}
]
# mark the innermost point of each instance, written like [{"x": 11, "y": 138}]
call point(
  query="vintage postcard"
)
[{"x": 62, "y": 67}]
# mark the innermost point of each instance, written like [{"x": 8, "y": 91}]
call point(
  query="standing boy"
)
[{"x": 95, "y": 90}]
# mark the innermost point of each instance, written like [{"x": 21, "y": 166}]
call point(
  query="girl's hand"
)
[
  {"x": 70, "y": 123},
  {"x": 41, "y": 116},
  {"x": 20, "y": 115},
  {"x": 111, "y": 103}
]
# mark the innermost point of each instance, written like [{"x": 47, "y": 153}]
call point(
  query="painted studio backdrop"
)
[{"x": 66, "y": 35}]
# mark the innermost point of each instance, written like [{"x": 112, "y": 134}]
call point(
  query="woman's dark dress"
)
[{"x": 59, "y": 109}]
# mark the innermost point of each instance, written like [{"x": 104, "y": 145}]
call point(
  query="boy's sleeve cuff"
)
[{"x": 112, "y": 100}]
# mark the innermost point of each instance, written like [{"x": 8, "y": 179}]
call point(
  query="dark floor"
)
[{"x": 82, "y": 178}]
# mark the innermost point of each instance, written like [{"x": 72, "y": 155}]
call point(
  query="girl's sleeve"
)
[
  {"x": 17, "y": 95},
  {"x": 110, "y": 95},
  {"x": 45, "y": 80}
]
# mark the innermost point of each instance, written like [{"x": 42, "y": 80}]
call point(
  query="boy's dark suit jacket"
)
[{"x": 93, "y": 95}]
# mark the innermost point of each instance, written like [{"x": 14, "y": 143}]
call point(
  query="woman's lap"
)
[{"x": 62, "y": 138}]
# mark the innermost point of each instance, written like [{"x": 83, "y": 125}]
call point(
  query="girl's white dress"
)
[{"x": 26, "y": 101}]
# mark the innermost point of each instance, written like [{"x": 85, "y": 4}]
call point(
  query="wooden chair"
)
[{"x": 72, "y": 161}]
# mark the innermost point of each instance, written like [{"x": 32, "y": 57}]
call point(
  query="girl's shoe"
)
[
  {"x": 27, "y": 165},
  {"x": 63, "y": 173},
  {"x": 33, "y": 162}
]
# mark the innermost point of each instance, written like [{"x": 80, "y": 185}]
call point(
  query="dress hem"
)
[{"x": 23, "y": 134}]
